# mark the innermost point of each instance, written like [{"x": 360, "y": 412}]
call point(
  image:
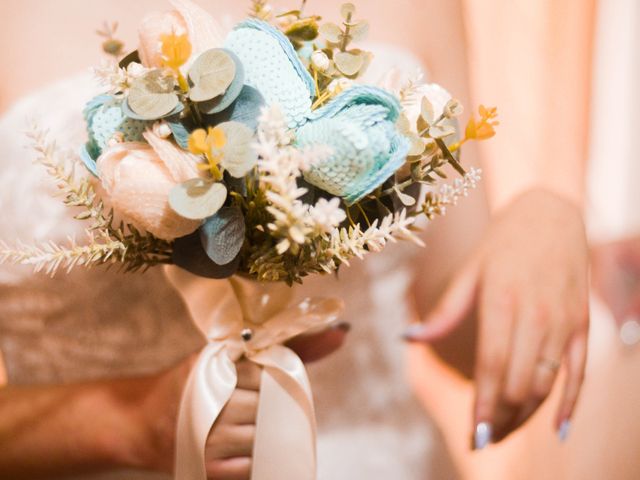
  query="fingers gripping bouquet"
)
[{"x": 257, "y": 157}]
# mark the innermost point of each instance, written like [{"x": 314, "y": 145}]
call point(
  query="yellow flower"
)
[
  {"x": 176, "y": 50},
  {"x": 484, "y": 129},
  {"x": 210, "y": 144}
]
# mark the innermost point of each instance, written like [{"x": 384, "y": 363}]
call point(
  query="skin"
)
[
  {"x": 616, "y": 276},
  {"x": 133, "y": 422},
  {"x": 527, "y": 279}
]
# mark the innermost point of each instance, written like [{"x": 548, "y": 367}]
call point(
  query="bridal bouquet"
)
[{"x": 257, "y": 156}]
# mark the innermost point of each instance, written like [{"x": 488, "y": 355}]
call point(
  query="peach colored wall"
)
[{"x": 45, "y": 40}]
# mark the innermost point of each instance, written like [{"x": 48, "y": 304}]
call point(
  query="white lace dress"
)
[{"x": 99, "y": 323}]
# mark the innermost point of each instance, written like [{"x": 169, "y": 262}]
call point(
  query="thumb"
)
[{"x": 452, "y": 308}]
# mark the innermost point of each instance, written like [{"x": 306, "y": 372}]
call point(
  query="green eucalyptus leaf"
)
[
  {"x": 198, "y": 198},
  {"x": 222, "y": 235},
  {"x": 189, "y": 254},
  {"x": 441, "y": 131},
  {"x": 153, "y": 96},
  {"x": 223, "y": 102},
  {"x": 422, "y": 124},
  {"x": 349, "y": 63},
  {"x": 359, "y": 31},
  {"x": 304, "y": 30},
  {"x": 180, "y": 131},
  {"x": 406, "y": 200},
  {"x": 417, "y": 145},
  {"x": 126, "y": 111},
  {"x": 347, "y": 10},
  {"x": 238, "y": 155},
  {"x": 331, "y": 32},
  {"x": 295, "y": 13},
  {"x": 246, "y": 109},
  {"x": 426, "y": 111},
  {"x": 211, "y": 74}
]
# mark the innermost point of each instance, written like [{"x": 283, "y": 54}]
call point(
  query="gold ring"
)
[{"x": 553, "y": 365}]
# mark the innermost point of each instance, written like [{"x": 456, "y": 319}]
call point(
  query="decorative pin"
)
[{"x": 246, "y": 334}]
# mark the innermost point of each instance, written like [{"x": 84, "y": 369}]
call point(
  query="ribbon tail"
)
[
  {"x": 285, "y": 442},
  {"x": 209, "y": 387}
]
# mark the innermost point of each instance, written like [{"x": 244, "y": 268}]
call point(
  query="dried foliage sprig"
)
[
  {"x": 436, "y": 203},
  {"x": 50, "y": 256},
  {"x": 106, "y": 242}
]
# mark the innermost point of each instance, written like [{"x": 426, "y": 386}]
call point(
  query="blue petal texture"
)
[
  {"x": 273, "y": 68},
  {"x": 105, "y": 118},
  {"x": 360, "y": 127}
]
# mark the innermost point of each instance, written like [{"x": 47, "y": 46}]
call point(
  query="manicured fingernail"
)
[
  {"x": 482, "y": 435},
  {"x": 564, "y": 429},
  {"x": 413, "y": 332},
  {"x": 342, "y": 326}
]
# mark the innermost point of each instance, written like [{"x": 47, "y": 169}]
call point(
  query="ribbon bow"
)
[{"x": 240, "y": 317}]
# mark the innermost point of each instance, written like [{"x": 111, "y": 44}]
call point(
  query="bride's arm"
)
[
  {"x": 528, "y": 277},
  {"x": 533, "y": 60}
]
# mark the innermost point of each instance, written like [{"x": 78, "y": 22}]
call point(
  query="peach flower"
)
[
  {"x": 137, "y": 178},
  {"x": 186, "y": 18}
]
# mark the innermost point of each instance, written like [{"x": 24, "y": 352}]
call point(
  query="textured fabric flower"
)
[
  {"x": 137, "y": 178},
  {"x": 105, "y": 119},
  {"x": 187, "y": 18},
  {"x": 272, "y": 67},
  {"x": 360, "y": 127}
]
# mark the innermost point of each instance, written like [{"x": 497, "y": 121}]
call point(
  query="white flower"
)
[
  {"x": 320, "y": 61},
  {"x": 339, "y": 85},
  {"x": 327, "y": 214},
  {"x": 437, "y": 95},
  {"x": 136, "y": 70}
]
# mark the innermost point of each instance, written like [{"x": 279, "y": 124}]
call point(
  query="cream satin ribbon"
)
[{"x": 228, "y": 312}]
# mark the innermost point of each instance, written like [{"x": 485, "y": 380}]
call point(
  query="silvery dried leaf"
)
[
  {"x": 211, "y": 74},
  {"x": 359, "y": 31},
  {"x": 349, "y": 63},
  {"x": 347, "y": 11},
  {"x": 441, "y": 131},
  {"x": 222, "y": 235},
  {"x": 152, "y": 96},
  {"x": 427, "y": 112},
  {"x": 223, "y": 102},
  {"x": 238, "y": 155},
  {"x": 303, "y": 30},
  {"x": 189, "y": 254},
  {"x": 421, "y": 124},
  {"x": 417, "y": 144},
  {"x": 180, "y": 132},
  {"x": 407, "y": 200},
  {"x": 246, "y": 109},
  {"x": 331, "y": 32},
  {"x": 198, "y": 198},
  {"x": 133, "y": 57},
  {"x": 127, "y": 112}
]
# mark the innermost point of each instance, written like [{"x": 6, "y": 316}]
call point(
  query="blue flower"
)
[
  {"x": 360, "y": 127},
  {"x": 273, "y": 68},
  {"x": 105, "y": 118}
]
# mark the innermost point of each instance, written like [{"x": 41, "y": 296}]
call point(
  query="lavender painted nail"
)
[
  {"x": 564, "y": 429},
  {"x": 482, "y": 435}
]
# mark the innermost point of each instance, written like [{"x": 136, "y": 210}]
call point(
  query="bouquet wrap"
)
[{"x": 244, "y": 318}]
